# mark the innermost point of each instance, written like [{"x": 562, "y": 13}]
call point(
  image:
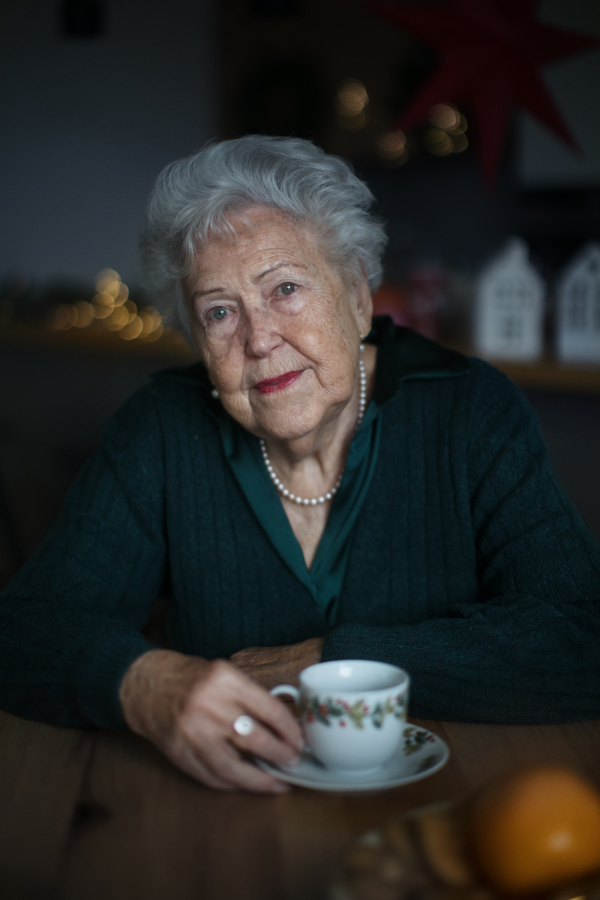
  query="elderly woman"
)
[{"x": 315, "y": 488}]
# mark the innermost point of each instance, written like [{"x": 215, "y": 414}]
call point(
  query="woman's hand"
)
[
  {"x": 278, "y": 665},
  {"x": 187, "y": 706}
]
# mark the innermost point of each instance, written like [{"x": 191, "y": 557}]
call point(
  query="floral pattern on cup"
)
[{"x": 328, "y": 710}]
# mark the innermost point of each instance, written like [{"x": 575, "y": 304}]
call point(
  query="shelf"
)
[
  {"x": 544, "y": 375},
  {"x": 552, "y": 376},
  {"x": 93, "y": 340}
]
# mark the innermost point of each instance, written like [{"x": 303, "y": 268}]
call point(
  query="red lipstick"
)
[{"x": 270, "y": 385}]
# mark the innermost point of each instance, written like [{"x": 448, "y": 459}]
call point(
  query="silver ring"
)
[{"x": 243, "y": 725}]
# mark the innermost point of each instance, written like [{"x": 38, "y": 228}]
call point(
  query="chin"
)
[{"x": 285, "y": 428}]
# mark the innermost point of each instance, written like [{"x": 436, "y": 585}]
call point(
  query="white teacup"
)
[{"x": 353, "y": 712}]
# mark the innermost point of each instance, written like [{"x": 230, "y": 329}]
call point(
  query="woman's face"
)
[{"x": 277, "y": 326}]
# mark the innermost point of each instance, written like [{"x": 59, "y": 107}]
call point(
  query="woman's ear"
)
[{"x": 364, "y": 305}]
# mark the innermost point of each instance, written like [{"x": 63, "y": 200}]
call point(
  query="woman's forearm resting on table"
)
[
  {"x": 269, "y": 666},
  {"x": 511, "y": 660}
]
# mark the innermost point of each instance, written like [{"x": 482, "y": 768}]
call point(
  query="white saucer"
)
[{"x": 422, "y": 754}]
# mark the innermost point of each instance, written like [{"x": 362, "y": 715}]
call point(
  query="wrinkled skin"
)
[
  {"x": 269, "y": 666},
  {"x": 186, "y": 706},
  {"x": 263, "y": 303}
]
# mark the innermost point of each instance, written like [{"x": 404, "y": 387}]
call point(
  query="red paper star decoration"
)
[{"x": 491, "y": 51}]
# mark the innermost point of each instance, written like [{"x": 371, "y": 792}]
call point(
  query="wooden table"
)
[{"x": 103, "y": 816}]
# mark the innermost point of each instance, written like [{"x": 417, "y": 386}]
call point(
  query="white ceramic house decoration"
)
[
  {"x": 509, "y": 309},
  {"x": 578, "y": 310}
]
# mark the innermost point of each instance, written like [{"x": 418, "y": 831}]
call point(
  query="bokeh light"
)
[
  {"x": 154, "y": 335},
  {"x": 437, "y": 142},
  {"x": 122, "y": 294},
  {"x": 151, "y": 319},
  {"x": 111, "y": 309},
  {"x": 133, "y": 329},
  {"x": 444, "y": 116},
  {"x": 103, "y": 305},
  {"x": 350, "y": 103},
  {"x": 351, "y": 97},
  {"x": 118, "y": 318},
  {"x": 63, "y": 316},
  {"x": 85, "y": 314},
  {"x": 460, "y": 128},
  {"x": 446, "y": 133},
  {"x": 108, "y": 282},
  {"x": 460, "y": 142},
  {"x": 392, "y": 147}
]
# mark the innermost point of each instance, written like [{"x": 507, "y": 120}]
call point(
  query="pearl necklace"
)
[{"x": 328, "y": 496}]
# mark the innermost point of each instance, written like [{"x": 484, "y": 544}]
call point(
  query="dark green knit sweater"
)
[{"x": 469, "y": 567}]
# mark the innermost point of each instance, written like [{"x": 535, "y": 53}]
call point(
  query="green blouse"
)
[{"x": 326, "y": 575}]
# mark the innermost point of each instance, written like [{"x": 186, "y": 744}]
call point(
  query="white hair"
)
[{"x": 193, "y": 197}]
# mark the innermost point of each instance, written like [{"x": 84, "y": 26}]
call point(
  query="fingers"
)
[
  {"x": 187, "y": 707},
  {"x": 263, "y": 743},
  {"x": 243, "y": 775},
  {"x": 217, "y": 764},
  {"x": 262, "y": 706},
  {"x": 186, "y": 760},
  {"x": 230, "y": 693}
]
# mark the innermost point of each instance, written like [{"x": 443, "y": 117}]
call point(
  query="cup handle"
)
[{"x": 287, "y": 689}]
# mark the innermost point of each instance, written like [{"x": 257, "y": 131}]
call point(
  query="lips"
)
[{"x": 270, "y": 385}]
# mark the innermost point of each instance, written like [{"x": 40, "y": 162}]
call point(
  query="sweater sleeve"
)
[
  {"x": 529, "y": 649},
  {"x": 70, "y": 620}
]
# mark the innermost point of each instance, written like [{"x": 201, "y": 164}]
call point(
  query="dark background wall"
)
[{"x": 87, "y": 122}]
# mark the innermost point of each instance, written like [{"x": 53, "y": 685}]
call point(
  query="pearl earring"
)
[{"x": 215, "y": 393}]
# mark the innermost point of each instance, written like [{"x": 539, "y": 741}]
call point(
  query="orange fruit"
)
[{"x": 537, "y": 829}]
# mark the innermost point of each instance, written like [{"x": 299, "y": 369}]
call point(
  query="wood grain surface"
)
[{"x": 103, "y": 816}]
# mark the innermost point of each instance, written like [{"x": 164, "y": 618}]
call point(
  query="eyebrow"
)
[
  {"x": 198, "y": 294},
  {"x": 286, "y": 263},
  {"x": 280, "y": 265}
]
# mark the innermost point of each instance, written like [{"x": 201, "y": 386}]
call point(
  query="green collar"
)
[{"x": 403, "y": 355}]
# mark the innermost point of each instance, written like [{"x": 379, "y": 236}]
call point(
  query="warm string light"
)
[
  {"x": 111, "y": 308},
  {"x": 391, "y": 147},
  {"x": 351, "y": 101},
  {"x": 445, "y": 133}
]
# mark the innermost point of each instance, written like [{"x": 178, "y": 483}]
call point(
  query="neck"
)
[{"x": 311, "y": 465}]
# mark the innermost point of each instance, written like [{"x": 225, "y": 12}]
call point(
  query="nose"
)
[{"x": 262, "y": 335}]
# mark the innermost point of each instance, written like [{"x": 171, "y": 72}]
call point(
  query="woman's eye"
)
[
  {"x": 218, "y": 313},
  {"x": 287, "y": 288}
]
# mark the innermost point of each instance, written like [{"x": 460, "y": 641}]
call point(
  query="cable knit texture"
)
[{"x": 469, "y": 566}]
